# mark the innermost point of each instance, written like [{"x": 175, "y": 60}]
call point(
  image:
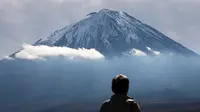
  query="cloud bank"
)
[{"x": 43, "y": 52}]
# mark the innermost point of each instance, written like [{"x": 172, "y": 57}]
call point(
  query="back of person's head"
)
[{"x": 120, "y": 84}]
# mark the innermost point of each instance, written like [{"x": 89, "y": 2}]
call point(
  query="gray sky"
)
[{"x": 26, "y": 21}]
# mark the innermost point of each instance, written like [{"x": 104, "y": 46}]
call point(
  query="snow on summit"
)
[{"x": 113, "y": 33}]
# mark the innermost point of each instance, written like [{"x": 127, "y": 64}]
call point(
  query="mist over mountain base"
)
[{"x": 60, "y": 84}]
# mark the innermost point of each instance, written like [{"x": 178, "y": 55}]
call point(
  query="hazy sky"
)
[{"x": 25, "y": 21}]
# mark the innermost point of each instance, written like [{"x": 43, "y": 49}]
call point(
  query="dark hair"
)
[{"x": 120, "y": 84}]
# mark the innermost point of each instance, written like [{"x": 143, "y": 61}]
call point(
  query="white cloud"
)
[
  {"x": 41, "y": 52},
  {"x": 136, "y": 52},
  {"x": 155, "y": 52}
]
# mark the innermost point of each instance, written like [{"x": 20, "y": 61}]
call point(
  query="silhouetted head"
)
[{"x": 120, "y": 84}]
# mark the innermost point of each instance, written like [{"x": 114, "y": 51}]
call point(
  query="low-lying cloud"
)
[{"x": 42, "y": 52}]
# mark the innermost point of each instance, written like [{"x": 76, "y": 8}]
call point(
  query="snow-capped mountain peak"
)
[{"x": 113, "y": 33}]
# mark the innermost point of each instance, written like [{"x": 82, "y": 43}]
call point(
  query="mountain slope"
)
[{"x": 114, "y": 33}]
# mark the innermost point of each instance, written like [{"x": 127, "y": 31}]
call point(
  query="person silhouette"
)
[{"x": 120, "y": 101}]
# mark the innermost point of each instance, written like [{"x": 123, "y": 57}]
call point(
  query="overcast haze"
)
[{"x": 26, "y": 21}]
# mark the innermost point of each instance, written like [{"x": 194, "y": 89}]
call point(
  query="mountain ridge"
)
[{"x": 114, "y": 33}]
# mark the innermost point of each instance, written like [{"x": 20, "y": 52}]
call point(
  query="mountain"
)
[{"x": 115, "y": 33}]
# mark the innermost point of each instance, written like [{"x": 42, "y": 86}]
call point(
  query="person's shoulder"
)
[
  {"x": 106, "y": 102},
  {"x": 134, "y": 104},
  {"x": 131, "y": 100},
  {"x": 105, "y": 105}
]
